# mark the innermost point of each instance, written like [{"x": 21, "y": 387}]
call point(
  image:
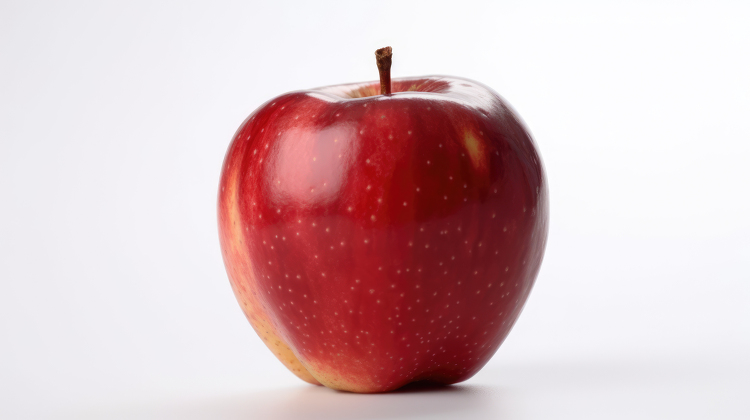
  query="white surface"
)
[
  {"x": 559, "y": 391},
  {"x": 114, "y": 119}
]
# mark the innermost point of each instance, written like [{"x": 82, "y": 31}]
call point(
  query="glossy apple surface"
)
[{"x": 377, "y": 240}]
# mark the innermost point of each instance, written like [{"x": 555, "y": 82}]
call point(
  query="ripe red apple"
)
[{"x": 375, "y": 240}]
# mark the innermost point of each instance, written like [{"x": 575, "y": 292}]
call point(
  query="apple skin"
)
[{"x": 377, "y": 240}]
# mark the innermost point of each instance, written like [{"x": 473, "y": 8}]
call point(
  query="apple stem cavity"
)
[{"x": 383, "y": 57}]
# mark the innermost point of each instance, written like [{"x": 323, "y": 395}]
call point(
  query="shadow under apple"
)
[{"x": 420, "y": 399}]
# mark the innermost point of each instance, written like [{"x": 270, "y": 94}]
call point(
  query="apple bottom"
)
[
  {"x": 370, "y": 316},
  {"x": 386, "y": 362},
  {"x": 350, "y": 371},
  {"x": 358, "y": 370}
]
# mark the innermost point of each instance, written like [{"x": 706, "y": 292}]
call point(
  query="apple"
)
[{"x": 378, "y": 234}]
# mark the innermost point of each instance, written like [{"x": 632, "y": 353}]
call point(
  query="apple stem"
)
[{"x": 383, "y": 57}]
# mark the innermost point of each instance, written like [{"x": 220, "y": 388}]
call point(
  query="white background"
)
[{"x": 114, "y": 120}]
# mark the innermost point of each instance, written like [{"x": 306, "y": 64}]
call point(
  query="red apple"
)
[{"x": 375, "y": 240}]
